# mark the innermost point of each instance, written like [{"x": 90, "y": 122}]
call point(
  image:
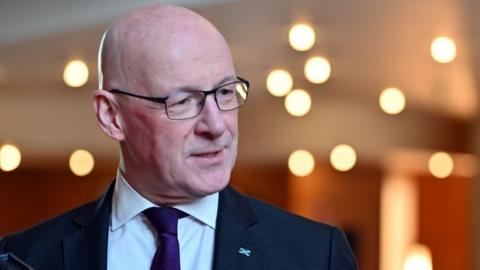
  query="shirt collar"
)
[{"x": 128, "y": 203}]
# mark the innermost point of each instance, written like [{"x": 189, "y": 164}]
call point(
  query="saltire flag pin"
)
[{"x": 245, "y": 252}]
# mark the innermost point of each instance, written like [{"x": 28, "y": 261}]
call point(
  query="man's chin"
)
[{"x": 210, "y": 186}]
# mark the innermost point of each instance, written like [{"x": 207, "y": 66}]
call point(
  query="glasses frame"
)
[{"x": 163, "y": 100}]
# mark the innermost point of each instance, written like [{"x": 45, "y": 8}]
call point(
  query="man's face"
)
[{"x": 179, "y": 159}]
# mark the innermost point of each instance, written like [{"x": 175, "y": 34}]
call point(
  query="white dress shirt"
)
[{"x": 132, "y": 240}]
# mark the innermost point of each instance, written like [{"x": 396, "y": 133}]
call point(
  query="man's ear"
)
[{"x": 108, "y": 116}]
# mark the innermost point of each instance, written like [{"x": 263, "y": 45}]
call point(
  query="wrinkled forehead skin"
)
[{"x": 159, "y": 42}]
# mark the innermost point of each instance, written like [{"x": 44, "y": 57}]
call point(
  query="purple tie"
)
[{"x": 165, "y": 221}]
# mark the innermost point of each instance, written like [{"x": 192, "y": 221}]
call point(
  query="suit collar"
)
[
  {"x": 87, "y": 247},
  {"x": 128, "y": 203},
  {"x": 236, "y": 247}
]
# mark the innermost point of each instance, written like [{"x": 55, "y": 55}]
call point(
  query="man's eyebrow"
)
[
  {"x": 226, "y": 79},
  {"x": 196, "y": 88}
]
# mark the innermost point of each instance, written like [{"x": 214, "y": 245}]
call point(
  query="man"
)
[{"x": 169, "y": 95}]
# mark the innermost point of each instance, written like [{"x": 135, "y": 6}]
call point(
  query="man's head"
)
[{"x": 155, "y": 51}]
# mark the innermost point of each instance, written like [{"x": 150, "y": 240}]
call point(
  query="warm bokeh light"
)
[
  {"x": 10, "y": 157},
  {"x": 440, "y": 165},
  {"x": 392, "y": 101},
  {"x": 75, "y": 73},
  {"x": 443, "y": 50},
  {"x": 343, "y": 157},
  {"x": 81, "y": 162},
  {"x": 418, "y": 257},
  {"x": 301, "y": 37},
  {"x": 298, "y": 102},
  {"x": 301, "y": 163},
  {"x": 279, "y": 82},
  {"x": 317, "y": 70},
  {"x": 398, "y": 219}
]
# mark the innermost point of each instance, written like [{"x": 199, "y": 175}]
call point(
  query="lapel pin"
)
[{"x": 245, "y": 252}]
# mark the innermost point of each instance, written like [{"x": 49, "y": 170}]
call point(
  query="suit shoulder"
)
[
  {"x": 48, "y": 231},
  {"x": 284, "y": 220}
]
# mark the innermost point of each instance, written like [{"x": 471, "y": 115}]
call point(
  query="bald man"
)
[{"x": 169, "y": 95}]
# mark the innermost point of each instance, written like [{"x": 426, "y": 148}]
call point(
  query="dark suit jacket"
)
[{"x": 276, "y": 239}]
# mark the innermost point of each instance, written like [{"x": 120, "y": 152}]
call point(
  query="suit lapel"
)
[
  {"x": 87, "y": 247},
  {"x": 235, "y": 246}
]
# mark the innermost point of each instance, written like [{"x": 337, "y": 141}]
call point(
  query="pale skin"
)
[{"x": 154, "y": 51}]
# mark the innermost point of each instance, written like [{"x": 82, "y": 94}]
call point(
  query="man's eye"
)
[
  {"x": 182, "y": 102},
  {"x": 226, "y": 92}
]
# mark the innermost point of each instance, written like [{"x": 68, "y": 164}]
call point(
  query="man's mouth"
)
[{"x": 209, "y": 156}]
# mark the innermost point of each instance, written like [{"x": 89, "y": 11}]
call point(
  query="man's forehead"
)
[{"x": 165, "y": 73}]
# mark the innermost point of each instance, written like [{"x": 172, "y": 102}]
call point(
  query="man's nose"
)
[{"x": 211, "y": 121}]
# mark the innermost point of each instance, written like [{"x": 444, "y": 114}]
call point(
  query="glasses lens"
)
[
  {"x": 184, "y": 104},
  {"x": 231, "y": 96}
]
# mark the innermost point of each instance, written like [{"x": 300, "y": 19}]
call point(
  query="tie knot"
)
[{"x": 164, "y": 219}]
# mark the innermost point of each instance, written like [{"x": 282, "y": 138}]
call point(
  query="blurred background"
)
[{"x": 362, "y": 114}]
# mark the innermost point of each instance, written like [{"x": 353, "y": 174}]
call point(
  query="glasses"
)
[{"x": 185, "y": 104}]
